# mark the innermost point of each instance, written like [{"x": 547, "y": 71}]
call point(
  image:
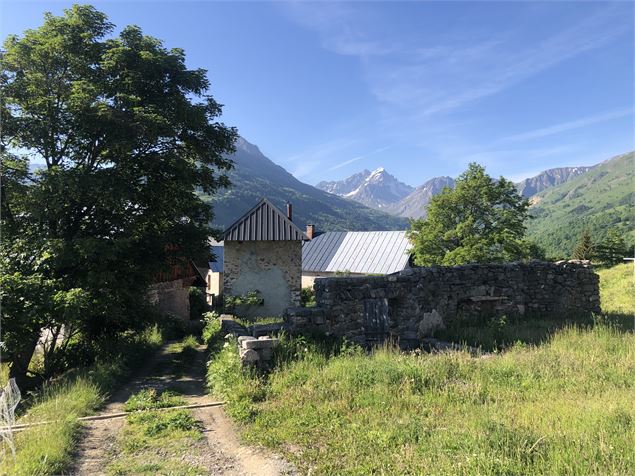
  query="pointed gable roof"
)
[{"x": 264, "y": 222}]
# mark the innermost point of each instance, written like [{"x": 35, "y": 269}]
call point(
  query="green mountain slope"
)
[
  {"x": 601, "y": 198},
  {"x": 255, "y": 176}
]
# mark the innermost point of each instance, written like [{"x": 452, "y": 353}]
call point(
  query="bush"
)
[
  {"x": 172, "y": 326},
  {"x": 307, "y": 297},
  {"x": 212, "y": 327},
  {"x": 198, "y": 304}
]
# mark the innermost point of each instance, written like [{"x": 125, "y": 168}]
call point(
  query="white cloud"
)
[
  {"x": 570, "y": 125},
  {"x": 358, "y": 158},
  {"x": 459, "y": 69}
]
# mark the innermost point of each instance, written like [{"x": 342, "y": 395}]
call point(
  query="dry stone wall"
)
[{"x": 412, "y": 304}]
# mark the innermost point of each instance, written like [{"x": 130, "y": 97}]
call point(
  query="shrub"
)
[
  {"x": 212, "y": 327},
  {"x": 307, "y": 297},
  {"x": 198, "y": 305}
]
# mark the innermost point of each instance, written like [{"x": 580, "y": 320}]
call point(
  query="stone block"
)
[
  {"x": 242, "y": 339},
  {"x": 260, "y": 343},
  {"x": 249, "y": 356}
]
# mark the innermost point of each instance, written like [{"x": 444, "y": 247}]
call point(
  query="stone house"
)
[
  {"x": 171, "y": 290},
  {"x": 263, "y": 252},
  {"x": 354, "y": 253}
]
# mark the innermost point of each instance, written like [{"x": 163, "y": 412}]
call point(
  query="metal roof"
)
[
  {"x": 368, "y": 252},
  {"x": 217, "y": 265},
  {"x": 264, "y": 222}
]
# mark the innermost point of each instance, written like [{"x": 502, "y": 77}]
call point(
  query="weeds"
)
[
  {"x": 154, "y": 442},
  {"x": 47, "y": 449},
  {"x": 558, "y": 403},
  {"x": 151, "y": 399}
]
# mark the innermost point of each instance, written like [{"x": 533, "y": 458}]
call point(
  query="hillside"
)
[
  {"x": 255, "y": 176},
  {"x": 377, "y": 189},
  {"x": 547, "y": 179},
  {"x": 599, "y": 199}
]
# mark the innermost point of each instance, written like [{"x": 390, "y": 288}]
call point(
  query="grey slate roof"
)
[
  {"x": 369, "y": 252},
  {"x": 264, "y": 222}
]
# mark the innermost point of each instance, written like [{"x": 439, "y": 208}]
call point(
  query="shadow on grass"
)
[{"x": 494, "y": 334}]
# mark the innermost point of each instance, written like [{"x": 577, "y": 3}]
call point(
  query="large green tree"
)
[
  {"x": 612, "y": 249},
  {"x": 126, "y": 135},
  {"x": 479, "y": 221}
]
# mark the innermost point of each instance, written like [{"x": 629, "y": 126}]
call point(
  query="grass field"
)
[
  {"x": 562, "y": 407},
  {"x": 46, "y": 449},
  {"x": 617, "y": 289}
]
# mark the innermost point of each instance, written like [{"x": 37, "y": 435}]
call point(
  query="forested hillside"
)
[
  {"x": 255, "y": 176},
  {"x": 597, "y": 200}
]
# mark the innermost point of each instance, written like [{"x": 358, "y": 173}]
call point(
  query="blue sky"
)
[{"x": 422, "y": 88}]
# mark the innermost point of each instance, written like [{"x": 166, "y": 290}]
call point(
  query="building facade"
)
[{"x": 263, "y": 253}]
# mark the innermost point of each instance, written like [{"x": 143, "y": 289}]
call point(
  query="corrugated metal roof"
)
[
  {"x": 218, "y": 264},
  {"x": 264, "y": 222},
  {"x": 368, "y": 252}
]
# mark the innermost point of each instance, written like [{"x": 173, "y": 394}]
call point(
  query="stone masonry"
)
[
  {"x": 274, "y": 268},
  {"x": 412, "y": 304}
]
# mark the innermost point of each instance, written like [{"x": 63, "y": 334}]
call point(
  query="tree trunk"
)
[{"x": 20, "y": 364}]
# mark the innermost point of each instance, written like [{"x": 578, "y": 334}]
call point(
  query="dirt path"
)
[{"x": 221, "y": 452}]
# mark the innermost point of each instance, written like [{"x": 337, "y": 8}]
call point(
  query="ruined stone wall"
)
[
  {"x": 415, "y": 302},
  {"x": 172, "y": 297},
  {"x": 274, "y": 268}
]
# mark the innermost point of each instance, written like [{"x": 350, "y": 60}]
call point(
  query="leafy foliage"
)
[
  {"x": 479, "y": 221},
  {"x": 234, "y": 304},
  {"x": 307, "y": 298},
  {"x": 127, "y": 134},
  {"x": 198, "y": 305}
]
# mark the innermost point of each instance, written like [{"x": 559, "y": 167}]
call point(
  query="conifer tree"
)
[{"x": 584, "y": 249}]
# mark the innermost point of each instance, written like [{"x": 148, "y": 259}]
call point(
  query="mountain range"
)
[
  {"x": 255, "y": 176},
  {"x": 376, "y": 189},
  {"x": 565, "y": 200},
  {"x": 379, "y": 189}
]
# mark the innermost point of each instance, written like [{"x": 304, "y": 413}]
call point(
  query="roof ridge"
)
[{"x": 295, "y": 233}]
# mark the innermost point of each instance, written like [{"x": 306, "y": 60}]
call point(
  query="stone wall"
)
[
  {"x": 413, "y": 303},
  {"x": 274, "y": 268},
  {"x": 172, "y": 297}
]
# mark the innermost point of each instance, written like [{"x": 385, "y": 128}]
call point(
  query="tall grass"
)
[
  {"x": 562, "y": 407},
  {"x": 617, "y": 289},
  {"x": 46, "y": 449}
]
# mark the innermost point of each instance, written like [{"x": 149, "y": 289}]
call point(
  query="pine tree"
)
[
  {"x": 584, "y": 249},
  {"x": 612, "y": 249}
]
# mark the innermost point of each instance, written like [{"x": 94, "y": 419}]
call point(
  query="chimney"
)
[
  {"x": 289, "y": 211},
  {"x": 310, "y": 231}
]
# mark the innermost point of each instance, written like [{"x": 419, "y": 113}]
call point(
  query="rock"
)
[
  {"x": 430, "y": 322},
  {"x": 260, "y": 343},
  {"x": 266, "y": 354},
  {"x": 242, "y": 339},
  {"x": 249, "y": 356}
]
